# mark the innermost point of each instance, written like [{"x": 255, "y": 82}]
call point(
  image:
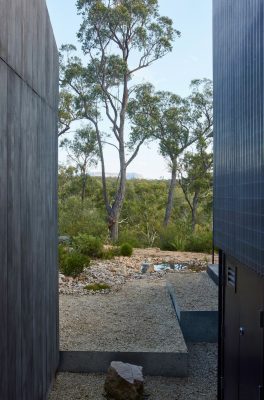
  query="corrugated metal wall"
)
[
  {"x": 29, "y": 348},
  {"x": 239, "y": 130}
]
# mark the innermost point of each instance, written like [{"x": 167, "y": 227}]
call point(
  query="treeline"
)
[{"x": 141, "y": 222}]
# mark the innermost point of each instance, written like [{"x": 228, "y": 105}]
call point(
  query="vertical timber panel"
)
[
  {"x": 29, "y": 348},
  {"x": 14, "y": 233},
  {"x": 27, "y": 168},
  {"x": 3, "y": 230}
]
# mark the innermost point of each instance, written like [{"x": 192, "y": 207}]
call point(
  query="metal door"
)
[
  {"x": 250, "y": 287},
  {"x": 243, "y": 333}
]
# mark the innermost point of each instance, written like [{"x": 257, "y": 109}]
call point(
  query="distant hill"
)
[{"x": 130, "y": 175}]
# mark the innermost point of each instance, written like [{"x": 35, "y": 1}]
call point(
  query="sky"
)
[{"x": 191, "y": 59}]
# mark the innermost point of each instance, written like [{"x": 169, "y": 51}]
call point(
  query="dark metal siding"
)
[
  {"x": 29, "y": 349},
  {"x": 239, "y": 130}
]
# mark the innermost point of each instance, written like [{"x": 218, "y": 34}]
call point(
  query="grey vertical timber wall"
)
[
  {"x": 29, "y": 347},
  {"x": 239, "y": 130}
]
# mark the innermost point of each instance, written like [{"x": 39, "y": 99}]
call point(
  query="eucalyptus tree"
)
[
  {"x": 83, "y": 151},
  {"x": 196, "y": 177},
  {"x": 176, "y": 122},
  {"x": 118, "y": 38}
]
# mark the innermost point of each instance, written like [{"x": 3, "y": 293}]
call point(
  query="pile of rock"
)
[{"x": 115, "y": 273}]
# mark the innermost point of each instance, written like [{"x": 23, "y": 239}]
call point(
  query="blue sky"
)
[{"x": 190, "y": 59}]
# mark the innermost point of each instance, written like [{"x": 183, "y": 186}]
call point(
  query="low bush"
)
[
  {"x": 126, "y": 250},
  {"x": 97, "y": 287},
  {"x": 135, "y": 239},
  {"x": 200, "y": 242},
  {"x": 110, "y": 253},
  {"x": 72, "y": 263},
  {"x": 88, "y": 245},
  {"x": 173, "y": 238}
]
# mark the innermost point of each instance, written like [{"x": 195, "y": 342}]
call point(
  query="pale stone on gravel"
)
[{"x": 124, "y": 381}]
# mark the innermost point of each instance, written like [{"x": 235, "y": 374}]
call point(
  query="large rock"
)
[{"x": 124, "y": 381}]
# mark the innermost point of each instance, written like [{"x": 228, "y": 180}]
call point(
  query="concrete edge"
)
[
  {"x": 212, "y": 271},
  {"x": 197, "y": 326},
  {"x": 154, "y": 364},
  {"x": 176, "y": 306},
  {"x": 200, "y": 326}
]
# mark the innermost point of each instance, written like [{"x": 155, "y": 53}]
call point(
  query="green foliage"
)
[
  {"x": 72, "y": 263},
  {"x": 131, "y": 236},
  {"x": 76, "y": 217},
  {"x": 196, "y": 179},
  {"x": 96, "y": 287},
  {"x": 201, "y": 242},
  {"x": 126, "y": 250},
  {"x": 88, "y": 245},
  {"x": 178, "y": 238},
  {"x": 173, "y": 238},
  {"x": 110, "y": 253},
  {"x": 175, "y": 122},
  {"x": 142, "y": 214}
]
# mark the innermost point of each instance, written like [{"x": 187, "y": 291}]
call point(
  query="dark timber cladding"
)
[
  {"x": 239, "y": 195},
  {"x": 239, "y": 130},
  {"x": 28, "y": 201}
]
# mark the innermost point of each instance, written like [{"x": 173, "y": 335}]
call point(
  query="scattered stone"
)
[
  {"x": 61, "y": 278},
  {"x": 64, "y": 239},
  {"x": 147, "y": 268},
  {"x": 115, "y": 273},
  {"x": 124, "y": 381}
]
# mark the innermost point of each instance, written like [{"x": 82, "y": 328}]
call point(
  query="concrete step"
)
[
  {"x": 136, "y": 325},
  {"x": 195, "y": 299}
]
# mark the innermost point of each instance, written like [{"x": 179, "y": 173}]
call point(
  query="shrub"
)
[
  {"x": 75, "y": 218},
  {"x": 88, "y": 245},
  {"x": 72, "y": 263},
  {"x": 173, "y": 238},
  {"x": 62, "y": 252},
  {"x": 97, "y": 287},
  {"x": 200, "y": 242},
  {"x": 135, "y": 239},
  {"x": 126, "y": 250},
  {"x": 110, "y": 253}
]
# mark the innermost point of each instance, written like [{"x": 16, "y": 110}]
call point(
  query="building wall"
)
[
  {"x": 239, "y": 130},
  {"x": 29, "y": 348}
]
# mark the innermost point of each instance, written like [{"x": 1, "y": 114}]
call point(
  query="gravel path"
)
[
  {"x": 200, "y": 385},
  {"x": 194, "y": 291},
  {"x": 140, "y": 317}
]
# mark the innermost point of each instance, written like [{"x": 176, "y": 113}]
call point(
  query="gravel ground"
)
[
  {"x": 200, "y": 385},
  {"x": 140, "y": 317},
  {"x": 194, "y": 291}
]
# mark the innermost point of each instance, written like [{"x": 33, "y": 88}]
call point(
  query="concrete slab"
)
[{"x": 195, "y": 299}]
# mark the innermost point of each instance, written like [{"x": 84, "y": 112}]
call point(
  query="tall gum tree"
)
[
  {"x": 176, "y": 122},
  {"x": 119, "y": 38}
]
